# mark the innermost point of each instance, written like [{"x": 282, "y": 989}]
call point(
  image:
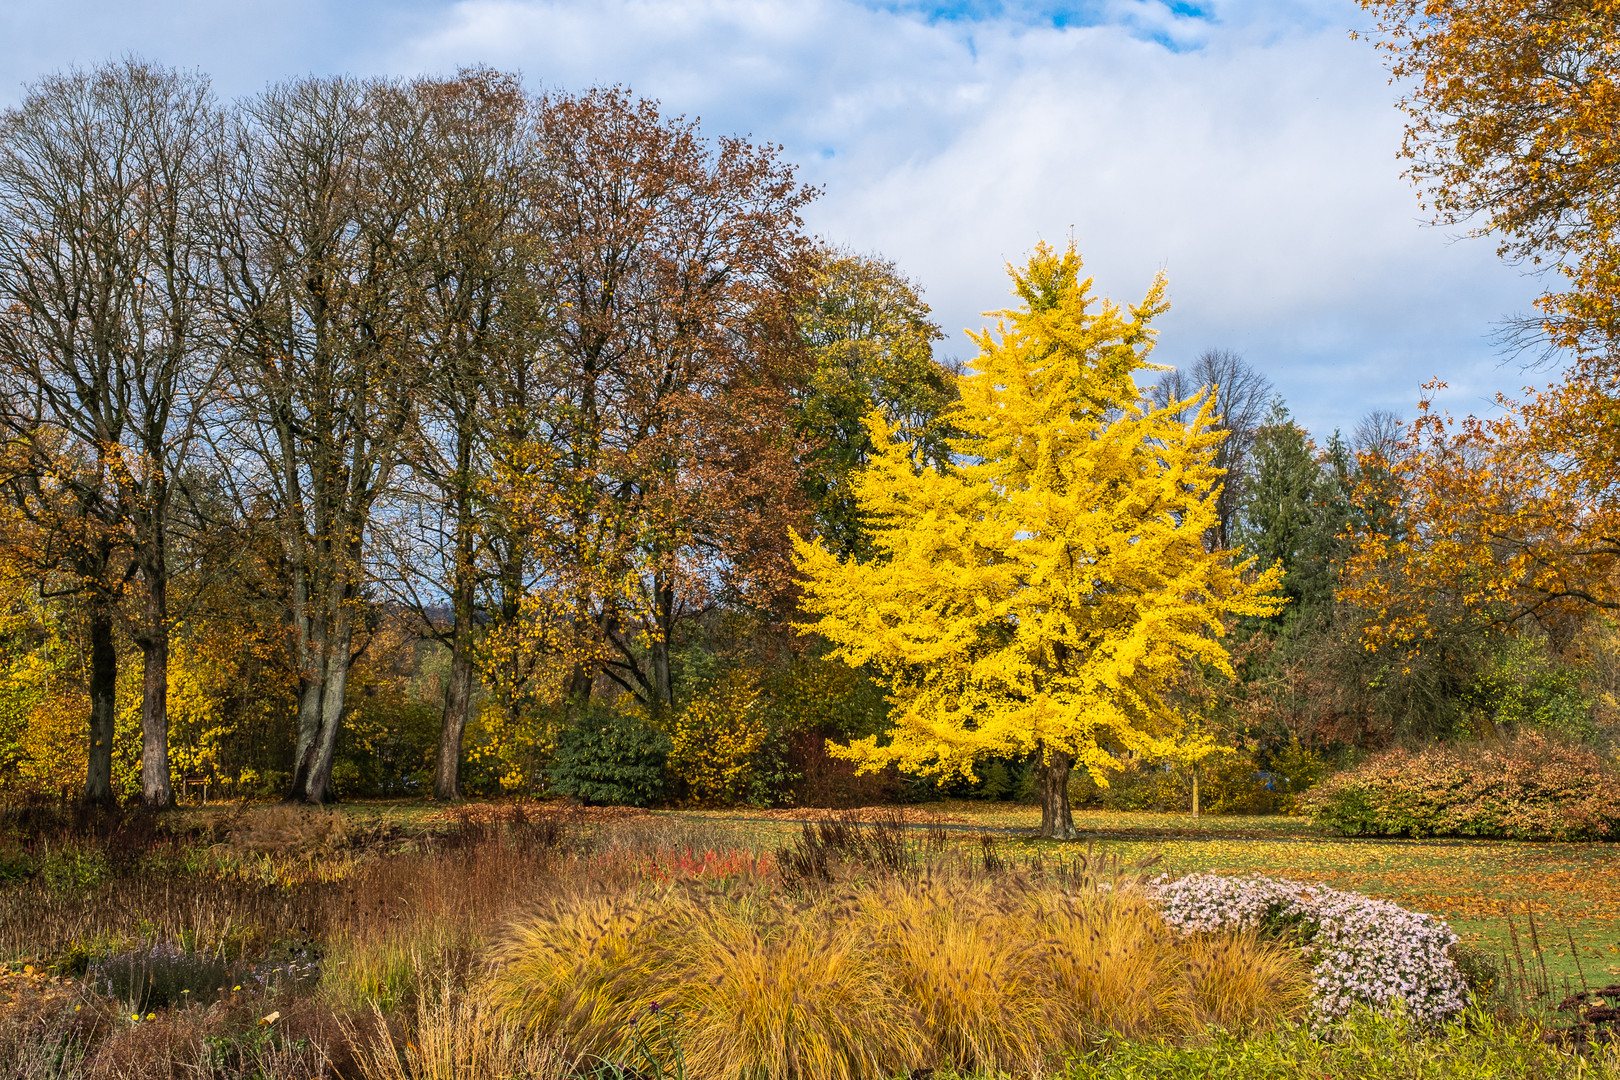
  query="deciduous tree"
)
[
  {"x": 1503, "y": 519},
  {"x": 871, "y": 339},
  {"x": 1513, "y": 108},
  {"x": 103, "y": 276},
  {"x": 478, "y": 326},
  {"x": 1036, "y": 598},
  {"x": 58, "y": 532},
  {"x": 665, "y": 478},
  {"x": 321, "y": 311},
  {"x": 1241, "y": 396}
]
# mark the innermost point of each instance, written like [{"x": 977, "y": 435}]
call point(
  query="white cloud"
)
[
  {"x": 1254, "y": 161},
  {"x": 1250, "y": 153}
]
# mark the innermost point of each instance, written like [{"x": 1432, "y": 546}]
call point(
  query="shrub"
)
[
  {"x": 611, "y": 757},
  {"x": 72, "y": 868},
  {"x": 1529, "y": 788},
  {"x": 715, "y": 740},
  {"x": 1363, "y": 951},
  {"x": 1527, "y": 687}
]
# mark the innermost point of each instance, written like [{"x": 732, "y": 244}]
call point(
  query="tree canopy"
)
[{"x": 1036, "y": 594}]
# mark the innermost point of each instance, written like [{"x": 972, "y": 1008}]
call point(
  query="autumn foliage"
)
[
  {"x": 1037, "y": 597},
  {"x": 1529, "y": 788},
  {"x": 1513, "y": 107}
]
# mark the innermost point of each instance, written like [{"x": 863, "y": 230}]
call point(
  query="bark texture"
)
[
  {"x": 103, "y": 706},
  {"x": 1052, "y": 769}
]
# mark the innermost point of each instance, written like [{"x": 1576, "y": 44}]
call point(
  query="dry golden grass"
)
[
  {"x": 785, "y": 991},
  {"x": 962, "y": 951},
  {"x": 1241, "y": 984},
  {"x": 1114, "y": 963},
  {"x": 454, "y": 1035},
  {"x": 558, "y": 966},
  {"x": 882, "y": 976}
]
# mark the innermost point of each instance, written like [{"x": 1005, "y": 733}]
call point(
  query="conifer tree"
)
[{"x": 1035, "y": 596}]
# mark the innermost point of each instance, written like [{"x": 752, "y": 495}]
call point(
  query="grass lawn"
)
[{"x": 1572, "y": 889}]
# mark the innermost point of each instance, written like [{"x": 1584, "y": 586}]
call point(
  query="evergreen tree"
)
[{"x": 1296, "y": 503}]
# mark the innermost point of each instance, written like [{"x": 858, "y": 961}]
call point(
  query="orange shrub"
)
[{"x": 1528, "y": 788}]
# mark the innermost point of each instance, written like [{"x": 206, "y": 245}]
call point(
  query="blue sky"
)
[{"x": 1246, "y": 149}]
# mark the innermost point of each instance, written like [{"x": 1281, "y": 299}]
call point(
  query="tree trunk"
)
[
  {"x": 156, "y": 792},
  {"x": 103, "y": 705},
  {"x": 319, "y": 788},
  {"x": 311, "y": 655},
  {"x": 312, "y": 776},
  {"x": 663, "y": 685},
  {"x": 1195, "y": 789},
  {"x": 457, "y": 701},
  {"x": 1052, "y": 775},
  {"x": 458, "y": 692}
]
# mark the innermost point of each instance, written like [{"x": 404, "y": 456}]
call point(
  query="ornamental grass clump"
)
[
  {"x": 1362, "y": 951},
  {"x": 712, "y": 978},
  {"x": 885, "y": 975}
]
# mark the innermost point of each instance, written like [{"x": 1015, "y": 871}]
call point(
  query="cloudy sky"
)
[{"x": 1245, "y": 148}]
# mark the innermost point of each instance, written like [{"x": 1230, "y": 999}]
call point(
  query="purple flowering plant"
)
[{"x": 1362, "y": 951}]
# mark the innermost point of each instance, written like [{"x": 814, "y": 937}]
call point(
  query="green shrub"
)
[
  {"x": 71, "y": 868},
  {"x": 1528, "y": 788},
  {"x": 1527, "y": 687},
  {"x": 611, "y": 758}
]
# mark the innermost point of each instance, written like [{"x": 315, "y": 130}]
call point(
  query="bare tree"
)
[
  {"x": 1380, "y": 433},
  {"x": 321, "y": 310},
  {"x": 1242, "y": 396},
  {"x": 103, "y": 276},
  {"x": 476, "y": 339}
]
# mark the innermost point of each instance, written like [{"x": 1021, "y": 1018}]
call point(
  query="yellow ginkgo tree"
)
[{"x": 1036, "y": 595}]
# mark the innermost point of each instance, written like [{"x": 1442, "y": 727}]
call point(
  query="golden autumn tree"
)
[
  {"x": 1037, "y": 596},
  {"x": 1514, "y": 110},
  {"x": 1491, "y": 521}
]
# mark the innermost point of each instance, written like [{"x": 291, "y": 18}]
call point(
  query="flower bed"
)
[{"x": 1362, "y": 951}]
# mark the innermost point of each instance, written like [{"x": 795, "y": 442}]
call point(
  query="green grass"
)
[{"x": 1367, "y": 1048}]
